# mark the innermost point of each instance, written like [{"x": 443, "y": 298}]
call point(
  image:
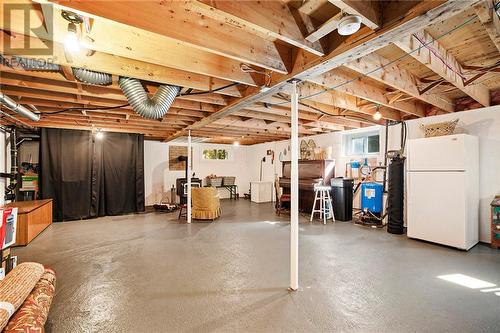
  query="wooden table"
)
[{"x": 32, "y": 218}]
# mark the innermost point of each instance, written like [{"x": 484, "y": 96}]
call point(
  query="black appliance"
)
[
  {"x": 342, "y": 196},
  {"x": 180, "y": 182},
  {"x": 395, "y": 200}
]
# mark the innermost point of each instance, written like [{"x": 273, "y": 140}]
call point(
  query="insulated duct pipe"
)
[
  {"x": 153, "y": 108},
  {"x": 92, "y": 77},
  {"x": 12, "y": 105}
]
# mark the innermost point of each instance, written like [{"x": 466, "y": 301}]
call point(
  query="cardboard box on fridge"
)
[{"x": 9, "y": 227}]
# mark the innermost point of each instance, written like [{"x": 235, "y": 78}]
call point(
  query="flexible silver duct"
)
[
  {"x": 92, "y": 77},
  {"x": 10, "y": 104},
  {"x": 153, "y": 108}
]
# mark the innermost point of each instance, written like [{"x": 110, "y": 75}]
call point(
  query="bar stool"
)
[{"x": 322, "y": 196}]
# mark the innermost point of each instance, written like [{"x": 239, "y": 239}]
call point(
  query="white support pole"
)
[
  {"x": 189, "y": 179},
  {"x": 294, "y": 205}
]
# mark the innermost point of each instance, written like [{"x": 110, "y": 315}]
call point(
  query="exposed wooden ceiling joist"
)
[
  {"x": 111, "y": 64},
  {"x": 424, "y": 48},
  {"x": 344, "y": 101},
  {"x": 382, "y": 70},
  {"x": 325, "y": 28},
  {"x": 335, "y": 79},
  {"x": 422, "y": 15},
  {"x": 133, "y": 43},
  {"x": 489, "y": 19},
  {"x": 368, "y": 10},
  {"x": 176, "y": 23},
  {"x": 271, "y": 18}
]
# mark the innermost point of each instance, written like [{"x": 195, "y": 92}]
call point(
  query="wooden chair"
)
[{"x": 280, "y": 199}]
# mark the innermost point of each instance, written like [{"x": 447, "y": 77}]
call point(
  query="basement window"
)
[
  {"x": 361, "y": 143},
  {"x": 215, "y": 154}
]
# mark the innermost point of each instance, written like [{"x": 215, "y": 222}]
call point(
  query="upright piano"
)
[{"x": 311, "y": 173}]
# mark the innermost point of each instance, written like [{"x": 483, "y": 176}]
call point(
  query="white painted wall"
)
[{"x": 159, "y": 179}]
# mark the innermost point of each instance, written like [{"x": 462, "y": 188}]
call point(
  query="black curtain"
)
[{"x": 88, "y": 177}]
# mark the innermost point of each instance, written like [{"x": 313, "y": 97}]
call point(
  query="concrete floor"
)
[{"x": 148, "y": 273}]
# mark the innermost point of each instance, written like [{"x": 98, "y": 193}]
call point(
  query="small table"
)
[{"x": 232, "y": 189}]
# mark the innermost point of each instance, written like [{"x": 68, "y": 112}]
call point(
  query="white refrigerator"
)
[{"x": 443, "y": 190}]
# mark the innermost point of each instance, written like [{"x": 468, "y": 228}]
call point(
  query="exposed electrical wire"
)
[
  {"x": 84, "y": 109},
  {"x": 437, "y": 55},
  {"x": 350, "y": 117},
  {"x": 383, "y": 66},
  {"x": 209, "y": 91},
  {"x": 247, "y": 69}
]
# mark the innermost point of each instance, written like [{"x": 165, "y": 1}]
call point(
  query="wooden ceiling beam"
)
[
  {"x": 173, "y": 20},
  {"x": 311, "y": 123},
  {"x": 306, "y": 118},
  {"x": 336, "y": 79},
  {"x": 107, "y": 63},
  {"x": 382, "y": 70},
  {"x": 423, "y": 47},
  {"x": 211, "y": 132},
  {"x": 343, "y": 100},
  {"x": 421, "y": 15},
  {"x": 270, "y": 18},
  {"x": 259, "y": 124},
  {"x": 65, "y": 101},
  {"x": 133, "y": 43},
  {"x": 47, "y": 79},
  {"x": 104, "y": 120},
  {"x": 105, "y": 127},
  {"x": 368, "y": 10},
  {"x": 223, "y": 129},
  {"x": 352, "y": 120},
  {"x": 325, "y": 28},
  {"x": 104, "y": 96},
  {"x": 490, "y": 20}
]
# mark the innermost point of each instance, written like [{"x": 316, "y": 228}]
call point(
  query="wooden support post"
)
[
  {"x": 294, "y": 206},
  {"x": 189, "y": 179}
]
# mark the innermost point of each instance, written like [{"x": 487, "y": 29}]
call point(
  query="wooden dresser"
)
[{"x": 32, "y": 218}]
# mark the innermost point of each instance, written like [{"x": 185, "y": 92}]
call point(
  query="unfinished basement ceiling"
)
[{"x": 203, "y": 46}]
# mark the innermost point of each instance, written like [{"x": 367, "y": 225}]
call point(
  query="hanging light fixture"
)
[
  {"x": 71, "y": 40},
  {"x": 99, "y": 134},
  {"x": 377, "y": 115},
  {"x": 348, "y": 25}
]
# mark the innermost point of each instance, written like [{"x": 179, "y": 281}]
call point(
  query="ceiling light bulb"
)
[
  {"x": 99, "y": 135},
  {"x": 71, "y": 42},
  {"x": 377, "y": 115},
  {"x": 348, "y": 25},
  {"x": 236, "y": 143}
]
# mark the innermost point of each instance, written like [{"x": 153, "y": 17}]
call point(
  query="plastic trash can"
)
[{"x": 342, "y": 198}]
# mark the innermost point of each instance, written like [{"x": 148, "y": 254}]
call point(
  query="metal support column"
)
[
  {"x": 294, "y": 205},
  {"x": 189, "y": 178}
]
